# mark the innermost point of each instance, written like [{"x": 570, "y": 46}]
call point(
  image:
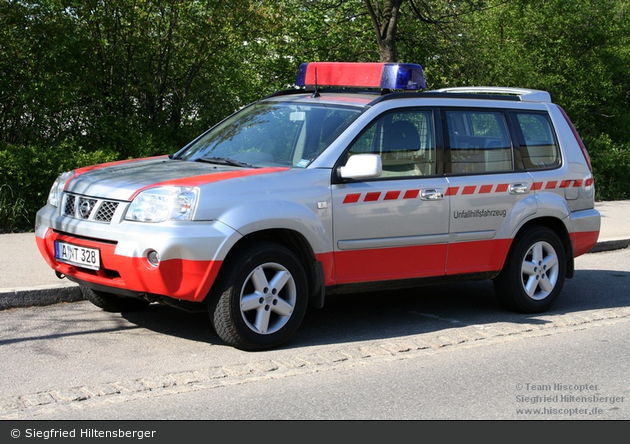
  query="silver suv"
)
[{"x": 354, "y": 180}]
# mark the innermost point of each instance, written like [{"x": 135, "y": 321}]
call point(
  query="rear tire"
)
[
  {"x": 260, "y": 299},
  {"x": 534, "y": 272},
  {"x": 111, "y": 302}
]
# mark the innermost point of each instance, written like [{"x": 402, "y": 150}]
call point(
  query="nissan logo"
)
[{"x": 85, "y": 208}]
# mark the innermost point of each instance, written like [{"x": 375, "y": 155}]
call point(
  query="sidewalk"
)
[{"x": 27, "y": 280}]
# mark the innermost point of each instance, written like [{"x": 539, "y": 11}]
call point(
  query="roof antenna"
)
[{"x": 315, "y": 93}]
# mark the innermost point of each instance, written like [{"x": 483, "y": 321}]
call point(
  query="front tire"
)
[
  {"x": 534, "y": 272},
  {"x": 260, "y": 299},
  {"x": 111, "y": 302}
]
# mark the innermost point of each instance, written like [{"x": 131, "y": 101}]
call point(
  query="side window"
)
[
  {"x": 318, "y": 128},
  {"x": 478, "y": 141},
  {"x": 538, "y": 145},
  {"x": 404, "y": 140}
]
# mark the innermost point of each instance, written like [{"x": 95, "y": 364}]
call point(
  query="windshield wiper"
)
[{"x": 224, "y": 161}]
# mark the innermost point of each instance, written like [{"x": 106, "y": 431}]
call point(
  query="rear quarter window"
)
[{"x": 538, "y": 146}]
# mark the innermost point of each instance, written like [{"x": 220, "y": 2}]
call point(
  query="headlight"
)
[
  {"x": 163, "y": 203},
  {"x": 54, "y": 197}
]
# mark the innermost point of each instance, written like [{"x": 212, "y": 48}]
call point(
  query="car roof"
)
[{"x": 364, "y": 98}]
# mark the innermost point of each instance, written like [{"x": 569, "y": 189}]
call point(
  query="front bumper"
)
[{"x": 190, "y": 253}]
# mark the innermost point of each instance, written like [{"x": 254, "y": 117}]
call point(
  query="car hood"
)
[{"x": 125, "y": 179}]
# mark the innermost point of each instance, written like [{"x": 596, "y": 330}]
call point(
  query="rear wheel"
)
[
  {"x": 261, "y": 298},
  {"x": 111, "y": 302},
  {"x": 534, "y": 272}
]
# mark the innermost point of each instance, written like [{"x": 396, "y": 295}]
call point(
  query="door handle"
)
[
  {"x": 518, "y": 188},
  {"x": 432, "y": 195}
]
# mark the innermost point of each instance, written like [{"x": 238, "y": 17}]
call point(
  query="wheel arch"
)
[
  {"x": 558, "y": 227},
  {"x": 299, "y": 245}
]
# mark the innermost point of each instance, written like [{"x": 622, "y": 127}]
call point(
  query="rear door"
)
[{"x": 489, "y": 190}]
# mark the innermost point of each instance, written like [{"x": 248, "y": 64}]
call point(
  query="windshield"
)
[{"x": 272, "y": 134}]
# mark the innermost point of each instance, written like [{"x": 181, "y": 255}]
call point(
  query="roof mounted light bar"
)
[
  {"x": 526, "y": 95},
  {"x": 402, "y": 76}
]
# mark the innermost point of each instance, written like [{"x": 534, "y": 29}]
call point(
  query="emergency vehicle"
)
[{"x": 356, "y": 179}]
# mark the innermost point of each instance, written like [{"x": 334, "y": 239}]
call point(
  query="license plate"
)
[{"x": 75, "y": 255}]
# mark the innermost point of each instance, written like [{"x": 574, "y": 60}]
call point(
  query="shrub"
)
[
  {"x": 611, "y": 163},
  {"x": 27, "y": 174},
  {"x": 13, "y": 213}
]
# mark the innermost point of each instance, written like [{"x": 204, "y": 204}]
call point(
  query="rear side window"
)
[
  {"x": 539, "y": 149},
  {"x": 479, "y": 142}
]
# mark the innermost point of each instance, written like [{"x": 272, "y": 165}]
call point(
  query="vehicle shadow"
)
[
  {"x": 171, "y": 321},
  {"x": 399, "y": 313}
]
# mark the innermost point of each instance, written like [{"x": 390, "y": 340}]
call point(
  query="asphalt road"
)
[
  {"x": 444, "y": 352},
  {"x": 563, "y": 374}
]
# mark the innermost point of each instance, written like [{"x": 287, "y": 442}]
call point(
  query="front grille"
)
[{"x": 89, "y": 208}]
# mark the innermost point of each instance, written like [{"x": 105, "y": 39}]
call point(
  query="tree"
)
[
  {"x": 158, "y": 67},
  {"x": 385, "y": 22},
  {"x": 438, "y": 15},
  {"x": 38, "y": 72}
]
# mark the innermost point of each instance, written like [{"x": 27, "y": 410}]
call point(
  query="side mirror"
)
[{"x": 362, "y": 166}]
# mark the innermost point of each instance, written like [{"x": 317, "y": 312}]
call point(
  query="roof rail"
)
[{"x": 526, "y": 95}]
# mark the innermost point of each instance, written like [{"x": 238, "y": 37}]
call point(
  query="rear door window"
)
[{"x": 479, "y": 142}]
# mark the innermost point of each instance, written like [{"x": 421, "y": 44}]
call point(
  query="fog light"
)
[{"x": 153, "y": 257}]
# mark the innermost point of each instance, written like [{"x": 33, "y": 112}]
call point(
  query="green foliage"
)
[
  {"x": 13, "y": 213},
  {"x": 27, "y": 174},
  {"x": 578, "y": 51},
  {"x": 89, "y": 81},
  {"x": 611, "y": 163}
]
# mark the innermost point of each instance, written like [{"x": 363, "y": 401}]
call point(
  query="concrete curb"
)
[
  {"x": 609, "y": 245},
  {"x": 40, "y": 296}
]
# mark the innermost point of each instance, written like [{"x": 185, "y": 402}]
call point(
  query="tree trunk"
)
[{"x": 385, "y": 20}]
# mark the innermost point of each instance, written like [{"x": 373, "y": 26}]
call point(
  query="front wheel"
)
[
  {"x": 534, "y": 272},
  {"x": 260, "y": 299}
]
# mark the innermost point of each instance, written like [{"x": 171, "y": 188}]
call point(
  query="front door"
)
[{"x": 394, "y": 227}]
